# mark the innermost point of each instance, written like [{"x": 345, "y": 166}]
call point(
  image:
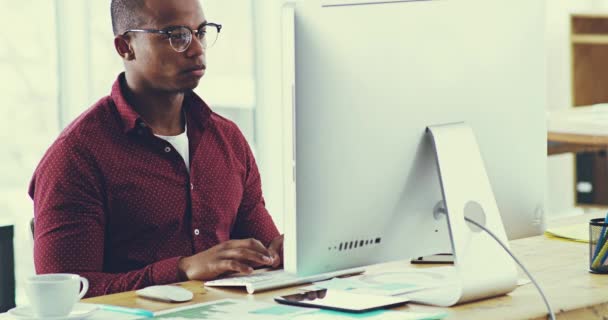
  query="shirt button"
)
[
  {"x": 191, "y": 186},
  {"x": 167, "y": 149},
  {"x": 197, "y": 232}
]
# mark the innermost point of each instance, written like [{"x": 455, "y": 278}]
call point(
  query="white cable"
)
[{"x": 551, "y": 314}]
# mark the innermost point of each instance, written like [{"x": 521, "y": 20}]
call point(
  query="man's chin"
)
[{"x": 189, "y": 85}]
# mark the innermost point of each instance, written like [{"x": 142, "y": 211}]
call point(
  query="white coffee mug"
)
[{"x": 54, "y": 295}]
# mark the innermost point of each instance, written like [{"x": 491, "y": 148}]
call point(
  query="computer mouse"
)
[{"x": 166, "y": 293}]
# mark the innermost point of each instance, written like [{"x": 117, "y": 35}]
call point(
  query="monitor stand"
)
[{"x": 482, "y": 268}]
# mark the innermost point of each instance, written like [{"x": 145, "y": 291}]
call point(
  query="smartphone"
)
[
  {"x": 441, "y": 258},
  {"x": 341, "y": 300}
]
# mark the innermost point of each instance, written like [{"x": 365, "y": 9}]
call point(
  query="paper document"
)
[
  {"x": 235, "y": 309},
  {"x": 373, "y": 315},
  {"x": 357, "y": 285},
  {"x": 104, "y": 315},
  {"x": 229, "y": 309},
  {"x": 575, "y": 232}
]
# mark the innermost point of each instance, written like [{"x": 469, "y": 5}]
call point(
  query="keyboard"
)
[{"x": 274, "y": 279}]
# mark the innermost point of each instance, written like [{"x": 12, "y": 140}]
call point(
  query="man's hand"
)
[
  {"x": 276, "y": 251},
  {"x": 230, "y": 256}
]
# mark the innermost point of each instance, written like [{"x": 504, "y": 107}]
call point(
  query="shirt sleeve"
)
[
  {"x": 67, "y": 189},
  {"x": 253, "y": 220}
]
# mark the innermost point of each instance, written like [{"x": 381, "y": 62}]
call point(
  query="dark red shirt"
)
[{"x": 116, "y": 204}]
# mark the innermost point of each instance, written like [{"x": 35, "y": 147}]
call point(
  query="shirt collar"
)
[{"x": 197, "y": 111}]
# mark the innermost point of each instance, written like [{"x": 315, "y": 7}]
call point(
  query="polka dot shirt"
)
[{"x": 116, "y": 204}]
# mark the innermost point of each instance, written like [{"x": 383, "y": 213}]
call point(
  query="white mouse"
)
[{"x": 166, "y": 293}]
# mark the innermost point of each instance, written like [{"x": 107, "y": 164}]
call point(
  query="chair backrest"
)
[{"x": 7, "y": 269}]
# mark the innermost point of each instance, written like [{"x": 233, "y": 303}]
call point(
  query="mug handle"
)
[{"x": 85, "y": 287}]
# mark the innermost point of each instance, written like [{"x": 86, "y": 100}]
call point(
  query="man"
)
[{"x": 149, "y": 186}]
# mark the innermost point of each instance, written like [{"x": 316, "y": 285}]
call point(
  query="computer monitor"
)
[{"x": 369, "y": 79}]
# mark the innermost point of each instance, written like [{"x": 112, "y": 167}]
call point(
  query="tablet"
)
[{"x": 341, "y": 300}]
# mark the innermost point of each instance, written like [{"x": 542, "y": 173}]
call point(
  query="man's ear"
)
[{"x": 123, "y": 47}]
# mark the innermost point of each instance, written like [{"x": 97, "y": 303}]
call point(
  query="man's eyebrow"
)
[
  {"x": 171, "y": 26},
  {"x": 180, "y": 25}
]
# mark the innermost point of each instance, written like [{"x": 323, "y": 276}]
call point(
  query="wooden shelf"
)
[
  {"x": 579, "y": 139},
  {"x": 591, "y": 15},
  {"x": 558, "y": 143},
  {"x": 589, "y": 45},
  {"x": 590, "y": 39}
]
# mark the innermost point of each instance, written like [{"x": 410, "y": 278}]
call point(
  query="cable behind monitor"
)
[{"x": 550, "y": 310}]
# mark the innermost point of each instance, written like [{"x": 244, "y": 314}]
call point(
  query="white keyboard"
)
[{"x": 276, "y": 279}]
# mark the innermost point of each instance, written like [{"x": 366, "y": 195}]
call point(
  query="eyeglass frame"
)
[{"x": 167, "y": 31}]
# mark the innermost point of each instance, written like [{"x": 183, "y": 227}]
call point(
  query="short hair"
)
[{"x": 126, "y": 14}]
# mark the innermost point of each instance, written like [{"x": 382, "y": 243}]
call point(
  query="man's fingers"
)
[
  {"x": 277, "y": 244},
  {"x": 247, "y": 255},
  {"x": 276, "y": 258},
  {"x": 250, "y": 243},
  {"x": 236, "y": 266},
  {"x": 276, "y": 250}
]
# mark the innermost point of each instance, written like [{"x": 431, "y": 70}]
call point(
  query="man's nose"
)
[{"x": 196, "y": 47}]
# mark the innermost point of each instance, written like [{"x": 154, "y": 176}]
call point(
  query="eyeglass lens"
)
[{"x": 181, "y": 37}]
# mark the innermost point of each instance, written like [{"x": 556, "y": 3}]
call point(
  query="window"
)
[{"x": 29, "y": 121}]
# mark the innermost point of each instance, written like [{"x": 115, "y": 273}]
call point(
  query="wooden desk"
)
[
  {"x": 558, "y": 143},
  {"x": 559, "y": 266}
]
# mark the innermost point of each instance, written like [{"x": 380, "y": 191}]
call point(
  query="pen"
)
[
  {"x": 602, "y": 238},
  {"x": 600, "y": 258},
  {"x": 597, "y": 262},
  {"x": 134, "y": 311},
  {"x": 605, "y": 254}
]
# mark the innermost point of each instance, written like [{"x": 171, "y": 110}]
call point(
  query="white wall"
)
[
  {"x": 560, "y": 177},
  {"x": 269, "y": 105}
]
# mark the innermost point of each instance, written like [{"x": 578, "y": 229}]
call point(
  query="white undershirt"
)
[{"x": 180, "y": 143}]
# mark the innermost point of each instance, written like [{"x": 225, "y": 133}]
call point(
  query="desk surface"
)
[{"x": 559, "y": 266}]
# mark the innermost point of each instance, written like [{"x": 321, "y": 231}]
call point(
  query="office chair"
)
[{"x": 7, "y": 269}]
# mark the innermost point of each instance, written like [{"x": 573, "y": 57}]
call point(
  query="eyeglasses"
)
[{"x": 180, "y": 37}]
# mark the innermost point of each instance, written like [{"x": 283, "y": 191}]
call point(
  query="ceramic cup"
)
[{"x": 54, "y": 295}]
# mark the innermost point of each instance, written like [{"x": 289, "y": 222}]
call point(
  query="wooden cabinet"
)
[{"x": 589, "y": 41}]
